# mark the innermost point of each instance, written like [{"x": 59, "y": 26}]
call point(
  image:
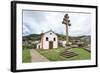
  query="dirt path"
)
[{"x": 36, "y": 57}]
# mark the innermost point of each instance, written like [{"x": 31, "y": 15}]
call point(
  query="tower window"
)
[
  {"x": 50, "y": 33},
  {"x": 46, "y": 38}
]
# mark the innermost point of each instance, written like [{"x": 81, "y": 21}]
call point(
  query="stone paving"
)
[{"x": 37, "y": 57}]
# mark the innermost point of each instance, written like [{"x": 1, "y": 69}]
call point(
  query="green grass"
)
[
  {"x": 26, "y": 57},
  {"x": 82, "y": 54},
  {"x": 54, "y": 54}
]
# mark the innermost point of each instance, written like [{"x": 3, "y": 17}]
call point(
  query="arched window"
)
[
  {"x": 39, "y": 46},
  {"x": 54, "y": 39},
  {"x": 46, "y": 38}
]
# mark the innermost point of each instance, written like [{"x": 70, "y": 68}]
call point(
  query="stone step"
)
[{"x": 68, "y": 54}]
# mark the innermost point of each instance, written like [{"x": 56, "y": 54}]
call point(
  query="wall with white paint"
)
[{"x": 51, "y": 37}]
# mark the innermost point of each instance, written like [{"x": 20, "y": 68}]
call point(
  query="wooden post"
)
[
  {"x": 67, "y": 38},
  {"x": 66, "y": 21}
]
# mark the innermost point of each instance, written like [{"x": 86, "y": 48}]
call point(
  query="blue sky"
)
[{"x": 36, "y": 22}]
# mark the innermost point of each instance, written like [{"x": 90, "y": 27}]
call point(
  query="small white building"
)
[
  {"x": 63, "y": 43},
  {"x": 49, "y": 40}
]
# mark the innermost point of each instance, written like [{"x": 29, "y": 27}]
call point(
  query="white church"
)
[{"x": 49, "y": 40}]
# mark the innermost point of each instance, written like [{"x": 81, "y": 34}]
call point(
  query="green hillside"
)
[{"x": 35, "y": 37}]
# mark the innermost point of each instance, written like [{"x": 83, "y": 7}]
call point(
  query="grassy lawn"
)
[
  {"x": 54, "y": 54},
  {"x": 82, "y": 54},
  {"x": 26, "y": 56}
]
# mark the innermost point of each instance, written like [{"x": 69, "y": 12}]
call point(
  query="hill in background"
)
[{"x": 35, "y": 37}]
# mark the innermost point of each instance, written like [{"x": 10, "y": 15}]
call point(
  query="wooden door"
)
[{"x": 50, "y": 45}]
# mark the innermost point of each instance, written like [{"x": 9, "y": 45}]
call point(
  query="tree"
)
[{"x": 66, "y": 21}]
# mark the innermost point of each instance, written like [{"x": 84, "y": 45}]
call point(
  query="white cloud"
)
[{"x": 39, "y": 21}]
